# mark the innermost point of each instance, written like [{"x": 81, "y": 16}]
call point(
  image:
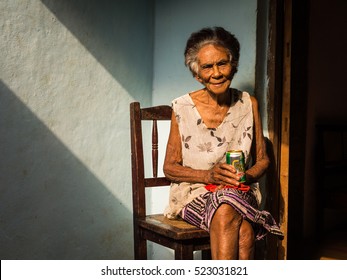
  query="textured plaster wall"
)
[{"x": 69, "y": 70}]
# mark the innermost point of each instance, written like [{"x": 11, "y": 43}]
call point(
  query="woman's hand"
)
[{"x": 223, "y": 174}]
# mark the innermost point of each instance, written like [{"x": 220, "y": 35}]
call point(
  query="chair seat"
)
[{"x": 175, "y": 229}]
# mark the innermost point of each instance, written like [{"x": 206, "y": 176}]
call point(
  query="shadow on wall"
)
[
  {"x": 51, "y": 205},
  {"x": 119, "y": 34}
]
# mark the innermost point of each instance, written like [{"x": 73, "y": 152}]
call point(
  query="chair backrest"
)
[{"x": 139, "y": 182}]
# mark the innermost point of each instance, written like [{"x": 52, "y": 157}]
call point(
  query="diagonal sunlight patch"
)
[
  {"x": 78, "y": 100},
  {"x": 119, "y": 34},
  {"x": 51, "y": 205}
]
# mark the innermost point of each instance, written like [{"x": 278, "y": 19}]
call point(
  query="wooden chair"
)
[{"x": 178, "y": 235}]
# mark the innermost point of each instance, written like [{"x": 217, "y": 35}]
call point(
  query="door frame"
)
[{"x": 287, "y": 104}]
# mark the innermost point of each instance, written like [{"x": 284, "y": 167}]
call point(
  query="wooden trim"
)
[
  {"x": 275, "y": 73},
  {"x": 285, "y": 128},
  {"x": 287, "y": 72},
  {"x": 274, "y": 113}
]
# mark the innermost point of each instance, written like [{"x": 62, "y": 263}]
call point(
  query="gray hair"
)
[{"x": 217, "y": 36}]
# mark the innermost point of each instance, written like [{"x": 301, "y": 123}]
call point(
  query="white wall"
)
[
  {"x": 174, "y": 22},
  {"x": 69, "y": 70}
]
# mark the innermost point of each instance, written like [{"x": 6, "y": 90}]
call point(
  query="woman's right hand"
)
[{"x": 223, "y": 174}]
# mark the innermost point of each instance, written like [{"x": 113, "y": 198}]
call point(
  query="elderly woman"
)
[{"x": 205, "y": 124}]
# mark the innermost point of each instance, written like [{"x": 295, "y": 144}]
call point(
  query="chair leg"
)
[
  {"x": 140, "y": 247},
  {"x": 206, "y": 255},
  {"x": 184, "y": 252}
]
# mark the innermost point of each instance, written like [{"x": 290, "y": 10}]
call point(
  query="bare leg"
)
[
  {"x": 231, "y": 236},
  {"x": 246, "y": 241},
  {"x": 224, "y": 233}
]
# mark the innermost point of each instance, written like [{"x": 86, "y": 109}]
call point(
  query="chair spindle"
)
[{"x": 155, "y": 148}]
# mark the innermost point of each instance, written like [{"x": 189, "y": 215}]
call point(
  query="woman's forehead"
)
[{"x": 212, "y": 53}]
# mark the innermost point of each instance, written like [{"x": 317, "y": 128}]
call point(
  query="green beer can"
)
[{"x": 237, "y": 159}]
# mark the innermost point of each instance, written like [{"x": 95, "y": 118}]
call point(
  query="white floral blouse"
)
[{"x": 203, "y": 147}]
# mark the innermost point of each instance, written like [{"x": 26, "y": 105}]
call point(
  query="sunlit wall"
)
[{"x": 69, "y": 70}]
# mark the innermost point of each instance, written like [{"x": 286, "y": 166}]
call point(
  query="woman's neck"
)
[{"x": 221, "y": 100}]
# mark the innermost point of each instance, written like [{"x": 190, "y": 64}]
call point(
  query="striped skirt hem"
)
[{"x": 200, "y": 211}]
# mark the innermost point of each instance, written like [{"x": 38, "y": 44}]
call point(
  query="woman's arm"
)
[
  {"x": 173, "y": 168},
  {"x": 259, "y": 156},
  {"x": 220, "y": 174}
]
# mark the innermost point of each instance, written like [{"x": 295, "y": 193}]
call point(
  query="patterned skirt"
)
[{"x": 200, "y": 211}]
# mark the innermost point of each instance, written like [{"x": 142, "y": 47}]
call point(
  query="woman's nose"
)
[{"x": 216, "y": 73}]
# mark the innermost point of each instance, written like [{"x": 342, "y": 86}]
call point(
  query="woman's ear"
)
[{"x": 198, "y": 78}]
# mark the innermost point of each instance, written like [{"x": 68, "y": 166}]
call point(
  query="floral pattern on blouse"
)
[{"x": 203, "y": 147}]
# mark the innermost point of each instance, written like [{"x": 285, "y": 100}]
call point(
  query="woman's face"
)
[{"x": 215, "y": 70}]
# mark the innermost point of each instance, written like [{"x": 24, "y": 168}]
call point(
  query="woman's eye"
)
[
  {"x": 206, "y": 66},
  {"x": 222, "y": 63}
]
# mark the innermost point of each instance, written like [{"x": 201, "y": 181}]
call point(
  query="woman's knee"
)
[
  {"x": 246, "y": 235},
  {"x": 227, "y": 216}
]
